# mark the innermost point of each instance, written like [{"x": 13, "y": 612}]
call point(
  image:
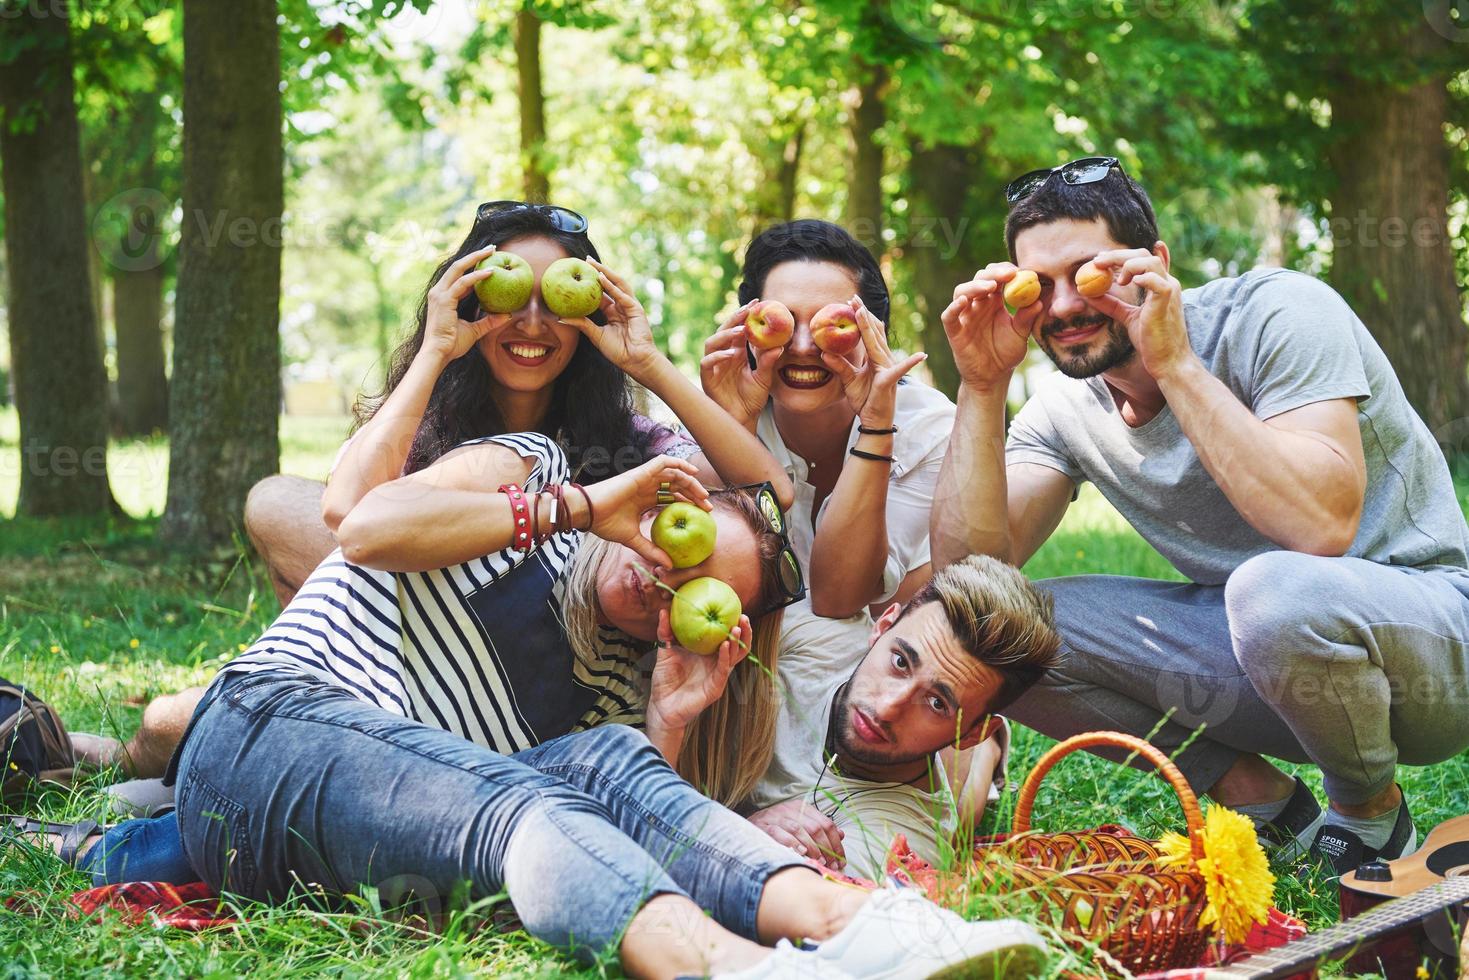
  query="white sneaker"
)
[
  {"x": 786, "y": 962},
  {"x": 900, "y": 935}
]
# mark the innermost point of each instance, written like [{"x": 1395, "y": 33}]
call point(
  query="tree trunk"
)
[
  {"x": 864, "y": 184},
  {"x": 532, "y": 105},
  {"x": 137, "y": 310},
  {"x": 224, "y": 400},
  {"x": 1391, "y": 254},
  {"x": 941, "y": 177},
  {"x": 55, "y": 354},
  {"x": 775, "y": 199}
]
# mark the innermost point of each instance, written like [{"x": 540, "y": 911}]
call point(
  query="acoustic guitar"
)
[{"x": 1397, "y": 916}]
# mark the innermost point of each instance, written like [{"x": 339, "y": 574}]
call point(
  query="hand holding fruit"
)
[
  {"x": 1023, "y": 289},
  {"x": 726, "y": 374},
  {"x": 627, "y": 338},
  {"x": 871, "y": 384},
  {"x": 447, "y": 336},
  {"x": 988, "y": 341},
  {"x": 1157, "y": 327},
  {"x": 685, "y": 683},
  {"x": 618, "y": 503}
]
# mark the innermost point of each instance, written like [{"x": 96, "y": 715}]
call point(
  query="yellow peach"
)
[
  {"x": 1091, "y": 281},
  {"x": 1022, "y": 290}
]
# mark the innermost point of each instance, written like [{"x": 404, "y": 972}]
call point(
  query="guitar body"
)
[{"x": 1434, "y": 941}]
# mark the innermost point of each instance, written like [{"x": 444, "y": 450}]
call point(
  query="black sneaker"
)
[
  {"x": 1343, "y": 851},
  {"x": 1289, "y": 837}
]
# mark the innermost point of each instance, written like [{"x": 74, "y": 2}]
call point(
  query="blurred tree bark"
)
[
  {"x": 941, "y": 177},
  {"x": 532, "y": 105},
  {"x": 1392, "y": 254},
  {"x": 224, "y": 400},
  {"x": 864, "y": 217},
  {"x": 775, "y": 199},
  {"x": 55, "y": 352},
  {"x": 137, "y": 311}
]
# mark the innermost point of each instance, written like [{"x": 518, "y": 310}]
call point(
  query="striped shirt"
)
[{"x": 478, "y": 649}]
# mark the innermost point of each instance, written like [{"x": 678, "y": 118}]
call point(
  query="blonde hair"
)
[
  {"x": 1000, "y": 618},
  {"x": 729, "y": 747}
]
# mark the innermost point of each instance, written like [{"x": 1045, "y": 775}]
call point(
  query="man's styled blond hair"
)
[{"x": 1000, "y": 618}]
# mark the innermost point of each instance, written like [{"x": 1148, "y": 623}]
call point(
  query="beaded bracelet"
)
[{"x": 522, "y": 538}]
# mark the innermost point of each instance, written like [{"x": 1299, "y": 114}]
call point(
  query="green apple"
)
[
  {"x": 509, "y": 288},
  {"x": 685, "y": 533},
  {"x": 704, "y": 611},
  {"x": 570, "y": 287}
]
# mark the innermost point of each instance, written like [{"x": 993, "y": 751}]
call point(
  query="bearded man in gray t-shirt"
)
[{"x": 1255, "y": 434}]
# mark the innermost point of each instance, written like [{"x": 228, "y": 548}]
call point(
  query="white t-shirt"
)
[{"x": 924, "y": 418}]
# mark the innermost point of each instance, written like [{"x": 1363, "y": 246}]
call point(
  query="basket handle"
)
[{"x": 1191, "y": 813}]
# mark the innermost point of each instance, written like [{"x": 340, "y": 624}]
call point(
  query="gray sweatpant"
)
[{"x": 1349, "y": 664}]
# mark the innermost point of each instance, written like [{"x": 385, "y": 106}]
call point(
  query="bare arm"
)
[
  {"x": 452, "y": 511},
  {"x": 734, "y": 452},
  {"x": 377, "y": 452},
  {"x": 732, "y": 455},
  {"x": 851, "y": 546},
  {"x": 442, "y": 515},
  {"x": 1298, "y": 478}
]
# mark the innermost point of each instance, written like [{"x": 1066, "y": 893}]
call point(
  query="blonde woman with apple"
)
[{"x": 363, "y": 741}]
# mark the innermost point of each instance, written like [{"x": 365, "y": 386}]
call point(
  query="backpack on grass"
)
[{"x": 34, "y": 744}]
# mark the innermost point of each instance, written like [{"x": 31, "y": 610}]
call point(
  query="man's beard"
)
[
  {"x": 1077, "y": 361},
  {"x": 849, "y": 746}
]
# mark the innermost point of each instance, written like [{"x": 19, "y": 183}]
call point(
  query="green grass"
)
[{"x": 100, "y": 620}]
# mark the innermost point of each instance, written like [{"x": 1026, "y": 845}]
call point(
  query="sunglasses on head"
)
[
  {"x": 562, "y": 219},
  {"x": 788, "y": 568},
  {"x": 1087, "y": 170}
]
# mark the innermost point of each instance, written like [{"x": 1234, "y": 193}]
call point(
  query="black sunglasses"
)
[
  {"x": 1087, "y": 170},
  {"x": 788, "y": 568},
  {"x": 562, "y": 219}
]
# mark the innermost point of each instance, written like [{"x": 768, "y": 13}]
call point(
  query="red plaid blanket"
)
[{"x": 156, "y": 903}]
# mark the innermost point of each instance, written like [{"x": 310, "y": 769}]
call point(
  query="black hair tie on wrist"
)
[
  {"x": 875, "y": 457},
  {"x": 890, "y": 430}
]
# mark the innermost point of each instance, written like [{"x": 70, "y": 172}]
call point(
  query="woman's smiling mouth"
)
[
  {"x": 805, "y": 376},
  {"x": 527, "y": 354}
]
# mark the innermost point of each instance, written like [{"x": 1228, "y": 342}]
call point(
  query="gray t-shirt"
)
[{"x": 1279, "y": 340}]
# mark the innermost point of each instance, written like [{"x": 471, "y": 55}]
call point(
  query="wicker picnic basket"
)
[{"x": 1106, "y": 887}]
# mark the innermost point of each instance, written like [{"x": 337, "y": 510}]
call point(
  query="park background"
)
[{"x": 219, "y": 218}]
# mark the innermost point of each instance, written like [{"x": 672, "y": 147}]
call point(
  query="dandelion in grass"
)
[
  {"x": 1239, "y": 887},
  {"x": 134, "y": 643},
  {"x": 55, "y": 648}
]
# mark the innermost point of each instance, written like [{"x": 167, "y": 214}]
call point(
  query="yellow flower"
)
[
  {"x": 241, "y": 647},
  {"x": 133, "y": 643},
  {"x": 1238, "y": 885},
  {"x": 1422, "y": 973},
  {"x": 55, "y": 648}
]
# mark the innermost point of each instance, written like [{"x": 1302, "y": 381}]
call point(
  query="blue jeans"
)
[
  {"x": 285, "y": 782},
  {"x": 147, "y": 849}
]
